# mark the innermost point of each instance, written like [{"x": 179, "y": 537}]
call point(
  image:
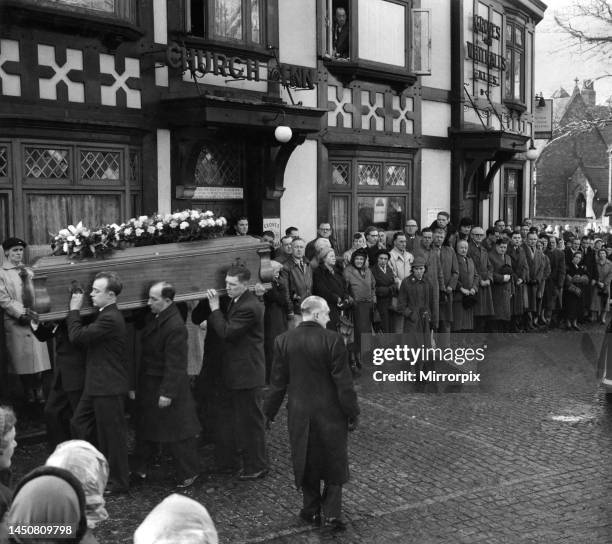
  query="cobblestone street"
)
[{"x": 522, "y": 458}]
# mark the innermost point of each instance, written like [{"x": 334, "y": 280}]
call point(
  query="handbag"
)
[{"x": 468, "y": 301}]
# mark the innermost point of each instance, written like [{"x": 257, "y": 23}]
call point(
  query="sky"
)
[{"x": 558, "y": 62}]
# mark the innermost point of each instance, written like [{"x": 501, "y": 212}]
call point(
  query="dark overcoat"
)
[
  {"x": 311, "y": 365},
  {"x": 107, "y": 371},
  {"x": 502, "y": 291},
  {"x": 330, "y": 285},
  {"x": 163, "y": 372},
  {"x": 276, "y": 315},
  {"x": 450, "y": 272},
  {"x": 520, "y": 270},
  {"x": 69, "y": 363},
  {"x": 241, "y": 332},
  {"x": 463, "y": 318},
  {"x": 386, "y": 289},
  {"x": 484, "y": 297},
  {"x": 416, "y": 303},
  {"x": 556, "y": 279}
]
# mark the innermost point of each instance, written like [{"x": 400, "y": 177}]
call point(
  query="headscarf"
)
[
  {"x": 177, "y": 520},
  {"x": 48, "y": 496},
  {"x": 91, "y": 469}
]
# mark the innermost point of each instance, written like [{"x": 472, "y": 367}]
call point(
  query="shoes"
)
[
  {"x": 243, "y": 477},
  {"x": 188, "y": 482},
  {"x": 137, "y": 477},
  {"x": 314, "y": 519},
  {"x": 336, "y": 525},
  {"x": 114, "y": 489}
]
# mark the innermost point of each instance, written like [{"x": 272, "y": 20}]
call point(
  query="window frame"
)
[
  {"x": 353, "y": 190},
  {"x": 514, "y": 49},
  {"x": 124, "y": 10},
  {"x": 355, "y": 66},
  {"x": 517, "y": 194},
  {"x": 19, "y": 187},
  {"x": 245, "y": 43}
]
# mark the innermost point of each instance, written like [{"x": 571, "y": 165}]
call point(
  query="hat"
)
[
  {"x": 13, "y": 242},
  {"x": 383, "y": 252},
  {"x": 466, "y": 222},
  {"x": 418, "y": 261}
]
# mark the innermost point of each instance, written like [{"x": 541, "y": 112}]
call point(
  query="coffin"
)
[{"x": 192, "y": 267}]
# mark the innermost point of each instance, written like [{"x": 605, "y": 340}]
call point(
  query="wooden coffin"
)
[{"x": 192, "y": 267}]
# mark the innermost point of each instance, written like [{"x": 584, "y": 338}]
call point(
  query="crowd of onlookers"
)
[{"x": 443, "y": 278}]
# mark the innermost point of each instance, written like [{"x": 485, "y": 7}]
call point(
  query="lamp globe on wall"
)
[
  {"x": 283, "y": 133},
  {"x": 532, "y": 153}
]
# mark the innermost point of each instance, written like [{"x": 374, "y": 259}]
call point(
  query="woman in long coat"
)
[
  {"x": 328, "y": 283},
  {"x": 276, "y": 315},
  {"x": 600, "y": 292},
  {"x": 467, "y": 285},
  {"x": 576, "y": 282},
  {"x": 484, "y": 299},
  {"x": 502, "y": 283},
  {"x": 361, "y": 287},
  {"x": 386, "y": 288},
  {"x": 27, "y": 356}
]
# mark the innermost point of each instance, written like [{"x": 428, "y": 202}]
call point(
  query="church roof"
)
[{"x": 560, "y": 93}]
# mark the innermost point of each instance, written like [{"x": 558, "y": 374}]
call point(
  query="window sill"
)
[
  {"x": 348, "y": 70},
  {"x": 259, "y": 52},
  {"x": 111, "y": 30},
  {"x": 515, "y": 105}
]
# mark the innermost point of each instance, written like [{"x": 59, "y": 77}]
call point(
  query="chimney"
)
[{"x": 588, "y": 92}]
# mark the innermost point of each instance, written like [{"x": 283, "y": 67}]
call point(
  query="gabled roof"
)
[{"x": 560, "y": 93}]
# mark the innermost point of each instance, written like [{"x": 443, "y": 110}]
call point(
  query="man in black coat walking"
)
[
  {"x": 311, "y": 362},
  {"x": 99, "y": 416},
  {"x": 166, "y": 408}
]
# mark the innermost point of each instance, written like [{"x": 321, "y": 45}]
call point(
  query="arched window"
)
[{"x": 580, "y": 207}]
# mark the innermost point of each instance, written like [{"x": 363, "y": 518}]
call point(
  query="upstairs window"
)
[
  {"x": 514, "y": 88},
  {"x": 119, "y": 9},
  {"x": 378, "y": 32},
  {"x": 238, "y": 21}
]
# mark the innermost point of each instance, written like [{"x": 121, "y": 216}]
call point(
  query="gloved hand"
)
[{"x": 23, "y": 320}]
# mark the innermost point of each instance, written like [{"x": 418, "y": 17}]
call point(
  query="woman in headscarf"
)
[
  {"x": 328, "y": 283},
  {"x": 386, "y": 288},
  {"x": 464, "y": 296},
  {"x": 90, "y": 467},
  {"x": 361, "y": 287},
  {"x": 502, "y": 284},
  {"x": 49, "y": 496},
  {"x": 177, "y": 520},
  {"x": 7, "y": 447},
  {"x": 27, "y": 356}
]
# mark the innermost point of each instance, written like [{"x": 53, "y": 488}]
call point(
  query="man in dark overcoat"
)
[
  {"x": 311, "y": 364},
  {"x": 100, "y": 416},
  {"x": 240, "y": 330},
  {"x": 166, "y": 410},
  {"x": 67, "y": 383}
]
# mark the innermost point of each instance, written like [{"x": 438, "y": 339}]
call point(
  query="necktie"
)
[{"x": 301, "y": 266}]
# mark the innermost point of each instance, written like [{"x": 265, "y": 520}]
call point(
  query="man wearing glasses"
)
[
  {"x": 413, "y": 240},
  {"x": 324, "y": 231}
]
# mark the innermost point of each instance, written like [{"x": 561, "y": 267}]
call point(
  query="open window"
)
[{"x": 377, "y": 39}]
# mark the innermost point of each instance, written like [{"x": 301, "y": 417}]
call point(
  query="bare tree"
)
[{"x": 589, "y": 23}]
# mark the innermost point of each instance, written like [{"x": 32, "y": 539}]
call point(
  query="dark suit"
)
[
  {"x": 311, "y": 363},
  {"x": 163, "y": 372},
  {"x": 100, "y": 412},
  {"x": 240, "y": 330},
  {"x": 299, "y": 283},
  {"x": 341, "y": 41},
  {"x": 67, "y": 384}
]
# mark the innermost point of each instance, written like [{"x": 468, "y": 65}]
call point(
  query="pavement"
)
[{"x": 521, "y": 457}]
